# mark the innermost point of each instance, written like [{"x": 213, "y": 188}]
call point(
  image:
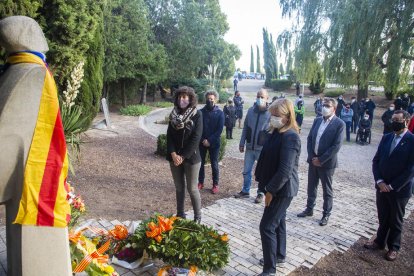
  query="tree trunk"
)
[
  {"x": 362, "y": 87},
  {"x": 144, "y": 94},
  {"x": 124, "y": 99},
  {"x": 163, "y": 92},
  {"x": 154, "y": 88}
]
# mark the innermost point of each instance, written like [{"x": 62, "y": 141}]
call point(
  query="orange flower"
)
[
  {"x": 120, "y": 232},
  {"x": 158, "y": 238},
  {"x": 225, "y": 238},
  {"x": 155, "y": 232}
]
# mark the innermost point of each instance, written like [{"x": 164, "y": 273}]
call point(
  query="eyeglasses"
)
[{"x": 327, "y": 105}]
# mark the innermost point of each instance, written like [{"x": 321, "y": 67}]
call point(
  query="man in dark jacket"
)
[
  {"x": 398, "y": 103},
  {"x": 393, "y": 169},
  {"x": 386, "y": 119},
  {"x": 213, "y": 123},
  {"x": 252, "y": 141},
  {"x": 324, "y": 141},
  {"x": 355, "y": 117},
  {"x": 405, "y": 102},
  {"x": 370, "y": 106},
  {"x": 340, "y": 105}
]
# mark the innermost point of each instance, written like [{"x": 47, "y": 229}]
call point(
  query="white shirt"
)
[{"x": 324, "y": 124}]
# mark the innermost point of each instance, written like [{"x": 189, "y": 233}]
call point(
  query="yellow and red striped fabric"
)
[{"x": 43, "y": 201}]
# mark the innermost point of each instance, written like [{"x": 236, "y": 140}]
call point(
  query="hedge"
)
[
  {"x": 162, "y": 146},
  {"x": 281, "y": 85}
]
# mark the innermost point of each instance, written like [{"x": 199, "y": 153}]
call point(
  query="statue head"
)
[{"x": 22, "y": 33}]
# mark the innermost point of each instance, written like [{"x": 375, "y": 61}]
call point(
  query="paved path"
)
[{"x": 353, "y": 217}]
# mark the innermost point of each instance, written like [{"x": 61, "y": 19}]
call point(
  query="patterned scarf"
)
[{"x": 179, "y": 121}]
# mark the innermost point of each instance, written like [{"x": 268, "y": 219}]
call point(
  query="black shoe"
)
[
  {"x": 372, "y": 245},
  {"x": 242, "y": 195},
  {"x": 324, "y": 221},
  {"x": 306, "y": 213},
  {"x": 197, "y": 220},
  {"x": 279, "y": 262},
  {"x": 259, "y": 198}
]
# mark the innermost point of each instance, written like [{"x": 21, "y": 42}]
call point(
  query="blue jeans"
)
[
  {"x": 273, "y": 232},
  {"x": 214, "y": 156},
  {"x": 348, "y": 131},
  {"x": 250, "y": 156}
]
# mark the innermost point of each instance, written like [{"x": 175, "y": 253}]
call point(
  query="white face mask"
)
[
  {"x": 326, "y": 111},
  {"x": 276, "y": 122},
  {"x": 392, "y": 108},
  {"x": 366, "y": 117}
]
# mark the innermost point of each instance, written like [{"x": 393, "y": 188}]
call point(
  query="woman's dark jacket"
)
[
  {"x": 277, "y": 167},
  {"x": 185, "y": 142},
  {"x": 213, "y": 123},
  {"x": 229, "y": 116}
]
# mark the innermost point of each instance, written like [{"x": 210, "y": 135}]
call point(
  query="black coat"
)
[
  {"x": 355, "y": 108},
  {"x": 397, "y": 168},
  {"x": 229, "y": 116},
  {"x": 277, "y": 167},
  {"x": 185, "y": 142},
  {"x": 386, "y": 119}
]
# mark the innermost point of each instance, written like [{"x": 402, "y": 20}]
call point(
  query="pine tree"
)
[{"x": 251, "y": 59}]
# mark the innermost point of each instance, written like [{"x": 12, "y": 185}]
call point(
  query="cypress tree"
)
[
  {"x": 251, "y": 59},
  {"x": 258, "y": 66}
]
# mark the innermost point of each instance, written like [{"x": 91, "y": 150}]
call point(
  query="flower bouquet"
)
[
  {"x": 77, "y": 206},
  {"x": 182, "y": 243},
  {"x": 87, "y": 258}
]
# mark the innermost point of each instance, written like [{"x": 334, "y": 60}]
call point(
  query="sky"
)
[{"x": 246, "y": 21}]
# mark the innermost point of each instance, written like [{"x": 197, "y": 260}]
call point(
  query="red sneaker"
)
[
  {"x": 215, "y": 189},
  {"x": 200, "y": 186}
]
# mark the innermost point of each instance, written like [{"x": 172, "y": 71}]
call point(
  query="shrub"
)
[
  {"x": 135, "y": 110},
  {"x": 334, "y": 92},
  {"x": 317, "y": 85},
  {"x": 163, "y": 104},
  {"x": 224, "y": 96},
  {"x": 280, "y": 85},
  {"x": 162, "y": 145}
]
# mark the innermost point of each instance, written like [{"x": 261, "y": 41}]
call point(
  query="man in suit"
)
[
  {"x": 393, "y": 169},
  {"x": 324, "y": 141}
]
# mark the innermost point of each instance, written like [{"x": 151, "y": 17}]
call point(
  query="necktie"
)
[{"x": 394, "y": 143}]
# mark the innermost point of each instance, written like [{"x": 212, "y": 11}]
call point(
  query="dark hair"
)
[
  {"x": 186, "y": 90},
  {"x": 235, "y": 92},
  {"x": 406, "y": 115}
]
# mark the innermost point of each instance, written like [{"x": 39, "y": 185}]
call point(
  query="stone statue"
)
[{"x": 31, "y": 250}]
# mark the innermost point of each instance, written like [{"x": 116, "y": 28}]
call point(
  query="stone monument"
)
[{"x": 38, "y": 247}]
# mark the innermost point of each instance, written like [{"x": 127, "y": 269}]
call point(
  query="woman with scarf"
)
[
  {"x": 277, "y": 174},
  {"x": 183, "y": 139}
]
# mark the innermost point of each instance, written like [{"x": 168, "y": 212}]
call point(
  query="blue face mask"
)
[{"x": 259, "y": 101}]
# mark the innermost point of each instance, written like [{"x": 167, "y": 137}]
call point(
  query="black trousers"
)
[
  {"x": 229, "y": 132},
  {"x": 273, "y": 232},
  {"x": 391, "y": 210},
  {"x": 325, "y": 175}
]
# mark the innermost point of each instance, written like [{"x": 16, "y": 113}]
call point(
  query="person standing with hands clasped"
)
[
  {"x": 324, "y": 141},
  {"x": 393, "y": 169},
  {"x": 183, "y": 137},
  {"x": 277, "y": 174},
  {"x": 213, "y": 123}
]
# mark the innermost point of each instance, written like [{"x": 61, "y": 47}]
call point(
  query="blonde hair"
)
[{"x": 284, "y": 107}]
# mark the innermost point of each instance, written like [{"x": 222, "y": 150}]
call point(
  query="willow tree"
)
[
  {"x": 258, "y": 66},
  {"x": 354, "y": 40}
]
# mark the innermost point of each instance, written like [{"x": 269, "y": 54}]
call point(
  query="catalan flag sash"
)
[{"x": 43, "y": 201}]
